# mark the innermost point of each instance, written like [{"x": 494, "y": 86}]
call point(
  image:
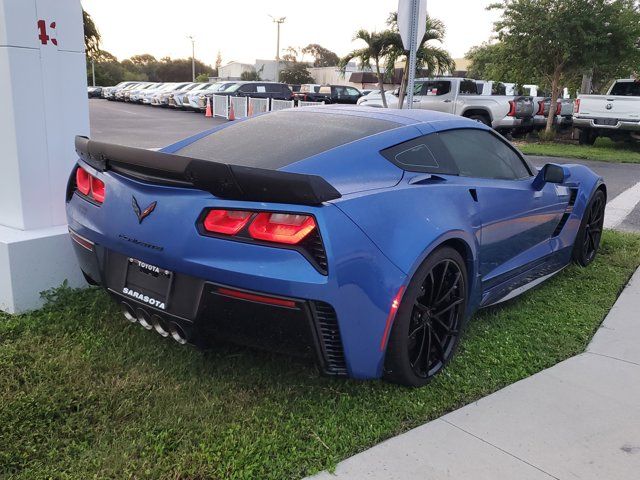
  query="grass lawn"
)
[
  {"x": 84, "y": 394},
  {"x": 603, "y": 150}
]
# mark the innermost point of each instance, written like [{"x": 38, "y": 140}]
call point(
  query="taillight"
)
[
  {"x": 576, "y": 106},
  {"x": 540, "y": 108},
  {"x": 90, "y": 186},
  {"x": 226, "y": 222},
  {"x": 285, "y": 228},
  {"x": 97, "y": 189},
  {"x": 83, "y": 181},
  {"x": 559, "y": 108},
  {"x": 512, "y": 108}
]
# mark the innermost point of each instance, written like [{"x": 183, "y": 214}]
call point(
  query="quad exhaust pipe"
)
[{"x": 163, "y": 327}]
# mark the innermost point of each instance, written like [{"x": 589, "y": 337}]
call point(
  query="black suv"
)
[{"x": 277, "y": 91}]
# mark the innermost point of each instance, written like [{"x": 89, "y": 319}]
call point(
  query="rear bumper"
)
[
  {"x": 204, "y": 311},
  {"x": 512, "y": 122},
  {"x": 598, "y": 123}
]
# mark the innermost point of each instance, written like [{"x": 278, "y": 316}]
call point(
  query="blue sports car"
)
[{"x": 363, "y": 239}]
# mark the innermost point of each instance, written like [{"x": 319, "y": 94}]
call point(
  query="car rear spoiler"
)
[{"x": 232, "y": 182}]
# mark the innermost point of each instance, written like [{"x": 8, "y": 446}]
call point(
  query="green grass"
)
[
  {"x": 603, "y": 150},
  {"x": 84, "y": 394}
]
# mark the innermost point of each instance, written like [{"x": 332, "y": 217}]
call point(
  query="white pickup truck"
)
[
  {"x": 615, "y": 115},
  {"x": 459, "y": 96}
]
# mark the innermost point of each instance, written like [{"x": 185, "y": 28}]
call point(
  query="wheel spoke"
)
[
  {"x": 440, "y": 349},
  {"x": 448, "y": 307},
  {"x": 417, "y": 329},
  {"x": 451, "y": 289},
  {"x": 444, "y": 277}
]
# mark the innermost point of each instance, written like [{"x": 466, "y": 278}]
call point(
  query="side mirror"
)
[
  {"x": 396, "y": 92},
  {"x": 550, "y": 173}
]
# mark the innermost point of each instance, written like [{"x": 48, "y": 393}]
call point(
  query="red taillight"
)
[
  {"x": 97, "y": 190},
  {"x": 90, "y": 186},
  {"x": 83, "y": 181},
  {"x": 559, "y": 108},
  {"x": 576, "y": 106},
  {"x": 281, "y": 302},
  {"x": 512, "y": 108},
  {"x": 281, "y": 227},
  {"x": 226, "y": 222},
  {"x": 540, "y": 108}
]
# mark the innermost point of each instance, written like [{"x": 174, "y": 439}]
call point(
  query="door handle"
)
[
  {"x": 447, "y": 101},
  {"x": 416, "y": 101}
]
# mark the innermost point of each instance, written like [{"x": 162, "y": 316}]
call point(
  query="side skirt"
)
[{"x": 520, "y": 290}]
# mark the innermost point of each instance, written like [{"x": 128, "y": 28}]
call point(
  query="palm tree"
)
[
  {"x": 91, "y": 35},
  {"x": 433, "y": 59},
  {"x": 378, "y": 45}
]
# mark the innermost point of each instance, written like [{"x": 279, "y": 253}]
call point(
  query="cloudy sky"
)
[{"x": 243, "y": 31}]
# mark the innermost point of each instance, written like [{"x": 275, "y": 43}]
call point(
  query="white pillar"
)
[{"x": 43, "y": 105}]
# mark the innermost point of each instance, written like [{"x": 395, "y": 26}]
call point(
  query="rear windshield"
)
[
  {"x": 626, "y": 89},
  {"x": 276, "y": 139}
]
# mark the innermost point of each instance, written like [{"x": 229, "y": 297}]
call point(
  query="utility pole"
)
[
  {"x": 193, "y": 58},
  {"x": 278, "y": 21}
]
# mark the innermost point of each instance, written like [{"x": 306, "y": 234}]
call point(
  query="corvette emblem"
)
[{"x": 144, "y": 213}]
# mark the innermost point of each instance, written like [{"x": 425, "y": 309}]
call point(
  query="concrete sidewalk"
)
[{"x": 577, "y": 420}]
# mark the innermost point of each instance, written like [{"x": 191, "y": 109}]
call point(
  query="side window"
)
[
  {"x": 424, "y": 154},
  {"x": 248, "y": 88},
  {"x": 260, "y": 88},
  {"x": 352, "y": 92},
  {"x": 436, "y": 88},
  {"x": 468, "y": 87},
  {"x": 339, "y": 92},
  {"x": 479, "y": 153}
]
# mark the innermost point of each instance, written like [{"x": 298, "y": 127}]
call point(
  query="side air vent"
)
[
  {"x": 314, "y": 246},
  {"x": 330, "y": 340},
  {"x": 573, "y": 194}
]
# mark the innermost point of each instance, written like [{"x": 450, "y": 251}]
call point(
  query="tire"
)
[
  {"x": 441, "y": 281},
  {"x": 587, "y": 137},
  {"x": 589, "y": 235},
  {"x": 480, "y": 119}
]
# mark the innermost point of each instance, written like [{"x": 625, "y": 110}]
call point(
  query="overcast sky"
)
[{"x": 243, "y": 31}]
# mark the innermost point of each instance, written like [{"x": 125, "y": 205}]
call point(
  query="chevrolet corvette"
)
[{"x": 364, "y": 240}]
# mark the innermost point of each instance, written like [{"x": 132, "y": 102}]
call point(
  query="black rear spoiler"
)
[{"x": 232, "y": 182}]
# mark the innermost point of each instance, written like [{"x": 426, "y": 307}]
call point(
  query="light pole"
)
[
  {"x": 193, "y": 58},
  {"x": 278, "y": 21}
]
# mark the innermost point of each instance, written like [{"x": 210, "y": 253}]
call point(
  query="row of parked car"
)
[
  {"x": 194, "y": 96},
  {"x": 496, "y": 104}
]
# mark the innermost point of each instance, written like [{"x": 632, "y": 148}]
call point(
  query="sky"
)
[{"x": 242, "y": 30}]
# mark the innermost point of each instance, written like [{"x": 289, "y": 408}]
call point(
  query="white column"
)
[{"x": 43, "y": 105}]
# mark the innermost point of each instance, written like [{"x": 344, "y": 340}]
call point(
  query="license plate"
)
[{"x": 148, "y": 283}]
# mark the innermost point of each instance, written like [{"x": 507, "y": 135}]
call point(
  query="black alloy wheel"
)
[
  {"x": 590, "y": 233},
  {"x": 430, "y": 320}
]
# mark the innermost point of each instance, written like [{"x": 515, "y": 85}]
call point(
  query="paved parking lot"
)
[{"x": 154, "y": 127}]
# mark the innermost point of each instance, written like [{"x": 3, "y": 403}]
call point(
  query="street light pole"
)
[
  {"x": 193, "y": 58},
  {"x": 278, "y": 21}
]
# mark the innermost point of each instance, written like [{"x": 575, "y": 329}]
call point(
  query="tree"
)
[
  {"x": 434, "y": 60},
  {"x": 91, "y": 36},
  {"x": 377, "y": 47},
  {"x": 323, "y": 57},
  {"x": 296, "y": 73},
  {"x": 203, "y": 77},
  {"x": 290, "y": 55},
  {"x": 218, "y": 64},
  {"x": 556, "y": 39},
  {"x": 251, "y": 75}
]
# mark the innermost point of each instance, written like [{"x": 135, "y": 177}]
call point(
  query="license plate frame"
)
[{"x": 148, "y": 283}]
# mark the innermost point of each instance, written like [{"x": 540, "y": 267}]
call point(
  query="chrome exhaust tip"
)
[
  {"x": 129, "y": 313},
  {"x": 159, "y": 326},
  {"x": 178, "y": 334},
  {"x": 144, "y": 319}
]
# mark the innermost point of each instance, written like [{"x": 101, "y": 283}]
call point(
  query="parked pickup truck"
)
[
  {"x": 615, "y": 115},
  {"x": 460, "y": 96},
  {"x": 329, "y": 94}
]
